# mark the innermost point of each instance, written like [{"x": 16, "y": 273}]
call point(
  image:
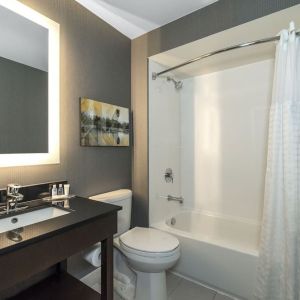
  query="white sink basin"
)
[{"x": 11, "y": 223}]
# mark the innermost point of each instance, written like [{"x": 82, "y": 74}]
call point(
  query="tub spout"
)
[{"x": 172, "y": 198}]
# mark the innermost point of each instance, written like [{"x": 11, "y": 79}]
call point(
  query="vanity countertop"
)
[{"x": 81, "y": 210}]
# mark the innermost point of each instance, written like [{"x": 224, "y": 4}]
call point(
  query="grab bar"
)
[{"x": 172, "y": 198}]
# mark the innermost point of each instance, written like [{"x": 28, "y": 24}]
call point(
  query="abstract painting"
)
[{"x": 103, "y": 124}]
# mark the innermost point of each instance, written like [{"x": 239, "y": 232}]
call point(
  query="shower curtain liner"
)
[{"x": 278, "y": 276}]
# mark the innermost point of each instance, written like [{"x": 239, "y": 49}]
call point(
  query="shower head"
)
[{"x": 178, "y": 84}]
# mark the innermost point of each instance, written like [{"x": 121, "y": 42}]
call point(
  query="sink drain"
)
[{"x": 14, "y": 220}]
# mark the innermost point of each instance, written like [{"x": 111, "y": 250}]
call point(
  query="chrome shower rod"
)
[{"x": 238, "y": 46}]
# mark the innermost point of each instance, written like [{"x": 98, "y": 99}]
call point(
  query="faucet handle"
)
[
  {"x": 169, "y": 176},
  {"x": 13, "y": 188}
]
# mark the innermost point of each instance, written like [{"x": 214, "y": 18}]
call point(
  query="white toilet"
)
[{"x": 149, "y": 252}]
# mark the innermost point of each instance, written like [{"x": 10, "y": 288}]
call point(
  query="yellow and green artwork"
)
[{"x": 103, "y": 124}]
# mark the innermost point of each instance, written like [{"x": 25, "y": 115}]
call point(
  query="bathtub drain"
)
[{"x": 173, "y": 221}]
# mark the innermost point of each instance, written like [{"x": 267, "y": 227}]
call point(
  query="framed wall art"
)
[{"x": 103, "y": 124}]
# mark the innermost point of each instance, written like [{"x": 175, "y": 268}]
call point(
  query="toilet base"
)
[{"x": 151, "y": 286}]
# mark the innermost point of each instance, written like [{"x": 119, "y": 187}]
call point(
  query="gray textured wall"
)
[
  {"x": 95, "y": 62},
  {"x": 24, "y": 108},
  {"x": 219, "y": 16}
]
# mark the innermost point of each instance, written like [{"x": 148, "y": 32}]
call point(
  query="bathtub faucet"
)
[{"x": 172, "y": 198}]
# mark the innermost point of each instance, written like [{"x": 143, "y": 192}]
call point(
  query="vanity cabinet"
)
[{"x": 50, "y": 243}]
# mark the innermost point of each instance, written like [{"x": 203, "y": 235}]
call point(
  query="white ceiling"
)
[{"x": 136, "y": 17}]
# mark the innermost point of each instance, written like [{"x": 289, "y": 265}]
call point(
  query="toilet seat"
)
[
  {"x": 132, "y": 251},
  {"x": 149, "y": 242}
]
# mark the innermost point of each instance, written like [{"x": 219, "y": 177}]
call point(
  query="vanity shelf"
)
[{"x": 59, "y": 287}]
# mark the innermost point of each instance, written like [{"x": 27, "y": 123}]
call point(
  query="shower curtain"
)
[{"x": 278, "y": 276}]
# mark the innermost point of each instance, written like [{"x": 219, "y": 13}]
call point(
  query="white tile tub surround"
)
[
  {"x": 224, "y": 117},
  {"x": 216, "y": 251},
  {"x": 213, "y": 133},
  {"x": 164, "y": 145}
]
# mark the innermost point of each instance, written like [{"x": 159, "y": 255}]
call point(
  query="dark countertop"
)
[{"x": 82, "y": 210}]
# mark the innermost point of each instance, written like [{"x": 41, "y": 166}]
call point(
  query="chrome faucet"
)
[
  {"x": 172, "y": 198},
  {"x": 12, "y": 197},
  {"x": 178, "y": 199}
]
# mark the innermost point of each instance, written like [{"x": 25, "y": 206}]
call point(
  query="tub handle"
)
[{"x": 173, "y": 198}]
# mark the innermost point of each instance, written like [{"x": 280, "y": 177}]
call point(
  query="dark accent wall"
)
[
  {"x": 95, "y": 62},
  {"x": 217, "y": 17},
  {"x": 24, "y": 108}
]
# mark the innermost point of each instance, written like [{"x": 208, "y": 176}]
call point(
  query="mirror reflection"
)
[{"x": 23, "y": 85}]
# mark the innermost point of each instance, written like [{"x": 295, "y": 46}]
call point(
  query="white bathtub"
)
[{"x": 220, "y": 252}]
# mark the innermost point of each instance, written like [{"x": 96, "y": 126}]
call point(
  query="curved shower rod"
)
[{"x": 238, "y": 46}]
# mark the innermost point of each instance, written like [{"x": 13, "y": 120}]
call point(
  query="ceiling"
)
[{"x": 134, "y": 18}]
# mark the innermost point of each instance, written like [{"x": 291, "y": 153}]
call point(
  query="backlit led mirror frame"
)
[{"x": 52, "y": 157}]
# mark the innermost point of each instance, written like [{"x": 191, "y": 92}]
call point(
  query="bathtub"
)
[{"x": 217, "y": 251}]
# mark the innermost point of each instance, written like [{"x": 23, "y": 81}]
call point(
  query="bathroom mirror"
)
[{"x": 29, "y": 86}]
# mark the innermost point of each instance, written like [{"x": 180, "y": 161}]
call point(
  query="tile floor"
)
[{"x": 179, "y": 288}]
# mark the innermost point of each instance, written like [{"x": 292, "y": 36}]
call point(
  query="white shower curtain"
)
[{"x": 278, "y": 276}]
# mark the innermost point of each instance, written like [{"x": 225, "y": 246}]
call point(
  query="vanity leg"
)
[
  {"x": 107, "y": 269},
  {"x": 62, "y": 266}
]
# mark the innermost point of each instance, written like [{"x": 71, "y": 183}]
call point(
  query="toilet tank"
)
[{"x": 121, "y": 198}]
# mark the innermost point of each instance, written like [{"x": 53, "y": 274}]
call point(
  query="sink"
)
[{"x": 14, "y": 222}]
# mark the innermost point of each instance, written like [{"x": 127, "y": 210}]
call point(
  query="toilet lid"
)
[{"x": 149, "y": 240}]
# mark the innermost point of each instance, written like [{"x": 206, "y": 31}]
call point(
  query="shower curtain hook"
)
[{"x": 292, "y": 27}]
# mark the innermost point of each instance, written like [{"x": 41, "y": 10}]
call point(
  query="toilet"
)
[{"x": 149, "y": 252}]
